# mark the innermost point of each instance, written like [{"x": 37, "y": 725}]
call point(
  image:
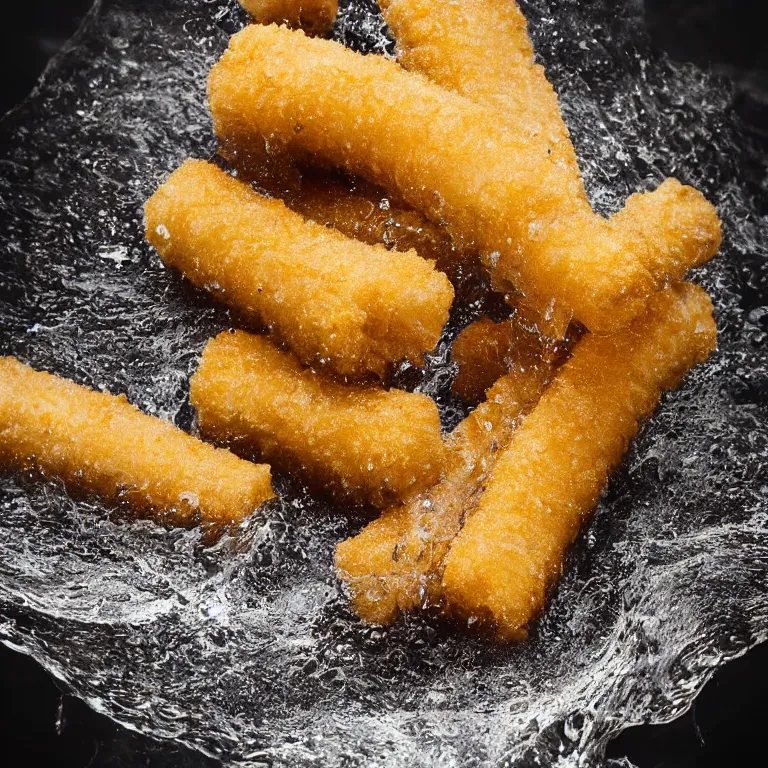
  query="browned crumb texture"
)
[
  {"x": 352, "y": 206},
  {"x": 101, "y": 444},
  {"x": 337, "y": 302},
  {"x": 549, "y": 478},
  {"x": 481, "y": 49},
  {"x": 394, "y": 564},
  {"x": 361, "y": 443},
  {"x": 313, "y": 16},
  {"x": 497, "y": 189}
]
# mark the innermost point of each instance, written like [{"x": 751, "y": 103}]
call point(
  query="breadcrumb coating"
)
[
  {"x": 394, "y": 564},
  {"x": 361, "y": 443},
  {"x": 548, "y": 479},
  {"x": 337, "y": 302},
  {"x": 100, "y": 443},
  {"x": 497, "y": 189},
  {"x": 481, "y": 49}
]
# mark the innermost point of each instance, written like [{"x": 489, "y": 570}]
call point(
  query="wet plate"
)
[{"x": 246, "y": 650}]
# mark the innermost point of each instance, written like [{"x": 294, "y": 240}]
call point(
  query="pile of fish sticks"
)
[{"x": 348, "y": 194}]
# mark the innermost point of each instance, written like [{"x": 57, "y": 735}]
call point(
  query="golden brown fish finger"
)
[
  {"x": 313, "y": 16},
  {"x": 478, "y": 48},
  {"x": 101, "y": 444},
  {"x": 496, "y": 189},
  {"x": 337, "y": 302},
  {"x": 481, "y": 49},
  {"x": 394, "y": 563},
  {"x": 550, "y": 476},
  {"x": 362, "y": 443}
]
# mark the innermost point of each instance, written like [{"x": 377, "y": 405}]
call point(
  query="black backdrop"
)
[{"x": 42, "y": 725}]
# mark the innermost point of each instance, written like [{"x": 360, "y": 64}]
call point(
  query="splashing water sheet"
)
[{"x": 246, "y": 650}]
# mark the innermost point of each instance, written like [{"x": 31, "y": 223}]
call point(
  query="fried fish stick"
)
[
  {"x": 394, "y": 564},
  {"x": 365, "y": 212},
  {"x": 337, "y": 302},
  {"x": 550, "y": 476},
  {"x": 496, "y": 189},
  {"x": 101, "y": 444},
  {"x": 352, "y": 206},
  {"x": 313, "y": 16},
  {"x": 355, "y": 208},
  {"x": 481, "y": 49},
  {"x": 360, "y": 443}
]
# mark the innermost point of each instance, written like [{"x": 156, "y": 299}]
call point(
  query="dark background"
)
[{"x": 41, "y": 725}]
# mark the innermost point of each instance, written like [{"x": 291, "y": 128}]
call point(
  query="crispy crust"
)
[
  {"x": 394, "y": 564},
  {"x": 99, "y": 443},
  {"x": 550, "y": 476},
  {"x": 360, "y": 443},
  {"x": 496, "y": 188},
  {"x": 481, "y": 50},
  {"x": 339, "y": 303}
]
